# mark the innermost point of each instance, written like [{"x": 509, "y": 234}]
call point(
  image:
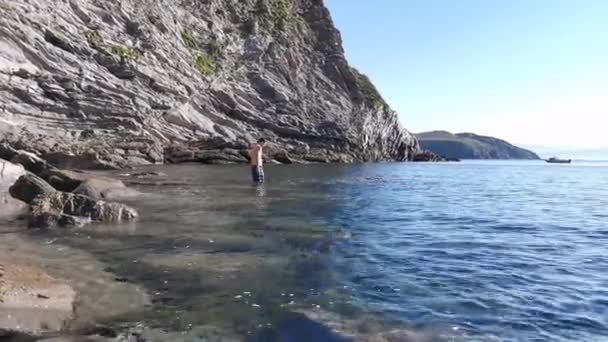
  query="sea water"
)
[{"x": 471, "y": 251}]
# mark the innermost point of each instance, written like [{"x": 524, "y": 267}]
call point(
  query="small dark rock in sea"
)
[
  {"x": 102, "y": 331},
  {"x": 145, "y": 174},
  {"x": 298, "y": 327},
  {"x": 426, "y": 156}
]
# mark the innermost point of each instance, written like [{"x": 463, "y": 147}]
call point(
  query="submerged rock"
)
[{"x": 146, "y": 174}]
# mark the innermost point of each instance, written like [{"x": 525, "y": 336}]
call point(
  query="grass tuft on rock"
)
[
  {"x": 188, "y": 38},
  {"x": 204, "y": 64},
  {"x": 94, "y": 38},
  {"x": 124, "y": 51},
  {"x": 278, "y": 15}
]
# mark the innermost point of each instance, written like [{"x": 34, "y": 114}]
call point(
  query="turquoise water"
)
[{"x": 471, "y": 251}]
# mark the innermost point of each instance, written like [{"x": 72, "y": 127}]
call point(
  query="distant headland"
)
[{"x": 471, "y": 146}]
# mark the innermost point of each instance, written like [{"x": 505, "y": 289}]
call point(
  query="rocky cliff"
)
[
  {"x": 471, "y": 146},
  {"x": 138, "y": 81}
]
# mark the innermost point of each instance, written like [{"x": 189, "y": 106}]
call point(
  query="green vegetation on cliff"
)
[
  {"x": 278, "y": 15},
  {"x": 371, "y": 94},
  {"x": 124, "y": 51},
  {"x": 204, "y": 64},
  {"x": 188, "y": 39}
]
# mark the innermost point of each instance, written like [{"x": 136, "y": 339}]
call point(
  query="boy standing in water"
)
[{"x": 257, "y": 160}]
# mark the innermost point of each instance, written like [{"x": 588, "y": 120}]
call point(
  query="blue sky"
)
[{"x": 534, "y": 72}]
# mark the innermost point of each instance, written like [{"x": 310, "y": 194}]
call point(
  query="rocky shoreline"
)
[
  {"x": 38, "y": 194},
  {"x": 32, "y": 299}
]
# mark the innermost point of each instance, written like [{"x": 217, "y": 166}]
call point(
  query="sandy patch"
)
[
  {"x": 31, "y": 300},
  {"x": 48, "y": 287}
]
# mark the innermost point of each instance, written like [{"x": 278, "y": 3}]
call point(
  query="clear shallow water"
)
[{"x": 472, "y": 251}]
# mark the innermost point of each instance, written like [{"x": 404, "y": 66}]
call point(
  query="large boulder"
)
[
  {"x": 7, "y": 152},
  {"x": 103, "y": 188},
  {"x": 9, "y": 173},
  {"x": 30, "y": 186},
  {"x": 64, "y": 180},
  {"x": 32, "y": 163},
  {"x": 67, "y": 209}
]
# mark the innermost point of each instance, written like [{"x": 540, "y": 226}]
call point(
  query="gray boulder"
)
[
  {"x": 66, "y": 209},
  {"x": 30, "y": 186},
  {"x": 7, "y": 152},
  {"x": 32, "y": 163},
  {"x": 9, "y": 173},
  {"x": 64, "y": 180},
  {"x": 103, "y": 188}
]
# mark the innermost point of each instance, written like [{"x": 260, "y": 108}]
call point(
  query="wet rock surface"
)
[
  {"x": 30, "y": 186},
  {"x": 68, "y": 199},
  {"x": 428, "y": 156},
  {"x": 103, "y": 84},
  {"x": 67, "y": 209},
  {"x": 102, "y": 188}
]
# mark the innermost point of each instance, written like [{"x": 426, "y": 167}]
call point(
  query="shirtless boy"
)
[{"x": 256, "y": 157}]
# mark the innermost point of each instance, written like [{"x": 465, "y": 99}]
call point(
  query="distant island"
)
[{"x": 471, "y": 146}]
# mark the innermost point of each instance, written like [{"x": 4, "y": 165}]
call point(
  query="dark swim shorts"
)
[{"x": 257, "y": 173}]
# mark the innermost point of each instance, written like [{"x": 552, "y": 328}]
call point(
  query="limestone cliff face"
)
[{"x": 190, "y": 79}]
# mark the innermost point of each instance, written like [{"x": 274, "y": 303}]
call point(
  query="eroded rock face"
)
[
  {"x": 111, "y": 84},
  {"x": 67, "y": 209}
]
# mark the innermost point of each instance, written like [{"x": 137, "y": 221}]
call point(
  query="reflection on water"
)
[
  {"x": 261, "y": 202},
  {"x": 415, "y": 252}
]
